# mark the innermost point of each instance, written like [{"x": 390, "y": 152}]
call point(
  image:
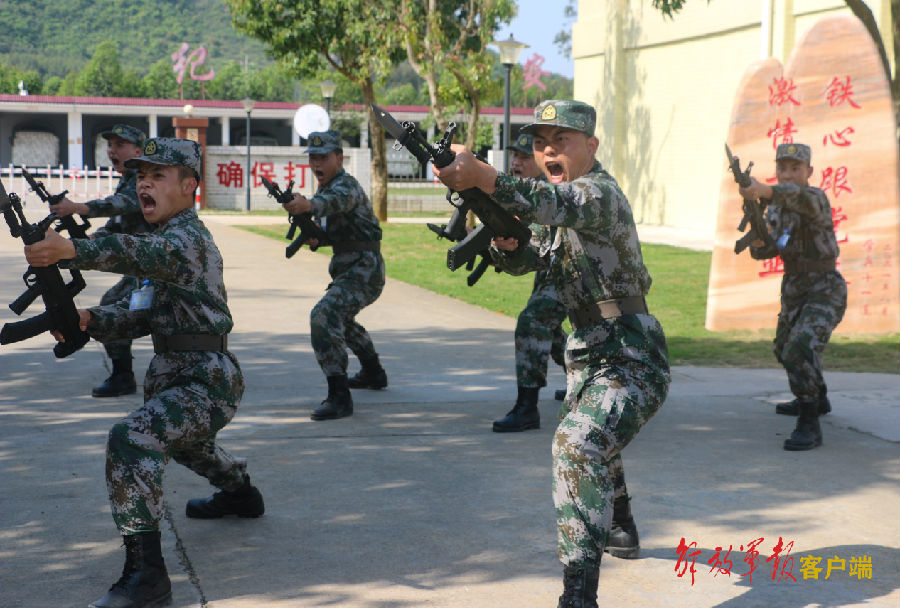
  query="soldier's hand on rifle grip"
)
[
  {"x": 68, "y": 207},
  {"x": 49, "y": 251},
  {"x": 756, "y": 190},
  {"x": 466, "y": 171},
  {"x": 298, "y": 205},
  {"x": 84, "y": 317},
  {"x": 505, "y": 244}
]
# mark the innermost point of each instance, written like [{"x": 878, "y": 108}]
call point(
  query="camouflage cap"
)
[
  {"x": 126, "y": 132},
  {"x": 523, "y": 144},
  {"x": 799, "y": 152},
  {"x": 323, "y": 142},
  {"x": 169, "y": 151},
  {"x": 566, "y": 113}
]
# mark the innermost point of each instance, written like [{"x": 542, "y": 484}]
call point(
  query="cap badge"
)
[
  {"x": 118, "y": 130},
  {"x": 317, "y": 141},
  {"x": 549, "y": 113},
  {"x": 792, "y": 149},
  {"x": 523, "y": 140},
  {"x": 150, "y": 148}
]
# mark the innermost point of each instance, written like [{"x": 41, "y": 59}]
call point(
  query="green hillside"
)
[{"x": 55, "y": 37}]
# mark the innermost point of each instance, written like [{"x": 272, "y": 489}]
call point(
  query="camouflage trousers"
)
[
  {"x": 610, "y": 397},
  {"x": 188, "y": 398},
  {"x": 539, "y": 334},
  {"x": 812, "y": 305},
  {"x": 119, "y": 349},
  {"x": 357, "y": 281}
]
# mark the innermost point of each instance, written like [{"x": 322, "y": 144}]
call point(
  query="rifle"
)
[
  {"x": 753, "y": 211},
  {"x": 498, "y": 221},
  {"x": 468, "y": 247},
  {"x": 309, "y": 229},
  {"x": 68, "y": 223},
  {"x": 61, "y": 314}
]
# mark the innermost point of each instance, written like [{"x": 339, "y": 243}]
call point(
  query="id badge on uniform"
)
[
  {"x": 141, "y": 298},
  {"x": 782, "y": 241}
]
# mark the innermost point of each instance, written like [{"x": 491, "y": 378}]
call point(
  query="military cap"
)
[
  {"x": 323, "y": 142},
  {"x": 523, "y": 144},
  {"x": 126, "y": 132},
  {"x": 799, "y": 152},
  {"x": 169, "y": 151},
  {"x": 566, "y": 113}
]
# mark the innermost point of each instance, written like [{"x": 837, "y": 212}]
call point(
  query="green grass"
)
[{"x": 678, "y": 298}]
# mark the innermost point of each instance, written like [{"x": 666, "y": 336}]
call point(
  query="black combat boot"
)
[
  {"x": 579, "y": 587},
  {"x": 623, "y": 535},
  {"x": 120, "y": 382},
  {"x": 792, "y": 408},
  {"x": 372, "y": 375},
  {"x": 524, "y": 415},
  {"x": 338, "y": 403},
  {"x": 246, "y": 501},
  {"x": 808, "y": 434},
  {"x": 144, "y": 582}
]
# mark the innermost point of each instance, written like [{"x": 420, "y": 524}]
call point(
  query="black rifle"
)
[
  {"x": 467, "y": 249},
  {"x": 61, "y": 314},
  {"x": 309, "y": 229},
  {"x": 753, "y": 211},
  {"x": 499, "y": 222},
  {"x": 67, "y": 223}
]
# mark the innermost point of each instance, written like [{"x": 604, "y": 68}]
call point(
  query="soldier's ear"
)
[
  {"x": 809, "y": 171},
  {"x": 593, "y": 144}
]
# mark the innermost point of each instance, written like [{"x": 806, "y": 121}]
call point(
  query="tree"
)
[
  {"x": 454, "y": 35},
  {"x": 348, "y": 36},
  {"x": 102, "y": 76}
]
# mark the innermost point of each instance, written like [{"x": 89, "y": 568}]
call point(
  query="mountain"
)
[{"x": 55, "y": 37}]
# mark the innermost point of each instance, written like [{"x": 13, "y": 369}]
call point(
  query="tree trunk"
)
[
  {"x": 379, "y": 155},
  {"x": 864, "y": 14}
]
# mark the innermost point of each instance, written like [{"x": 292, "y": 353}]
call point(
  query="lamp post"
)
[
  {"x": 328, "y": 89},
  {"x": 509, "y": 55},
  {"x": 248, "y": 107}
]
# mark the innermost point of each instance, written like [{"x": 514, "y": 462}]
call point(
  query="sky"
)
[{"x": 536, "y": 25}]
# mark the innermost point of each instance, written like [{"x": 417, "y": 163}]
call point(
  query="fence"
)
[{"x": 82, "y": 184}]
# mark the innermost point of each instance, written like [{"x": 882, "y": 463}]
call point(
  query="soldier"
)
[
  {"x": 813, "y": 292},
  {"x": 357, "y": 273},
  {"x": 124, "y": 142},
  {"x": 539, "y": 327},
  {"x": 193, "y": 385},
  {"x": 616, "y": 357}
]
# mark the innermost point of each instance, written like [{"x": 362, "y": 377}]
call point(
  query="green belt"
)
[
  {"x": 348, "y": 246},
  {"x": 801, "y": 266},
  {"x": 163, "y": 344},
  {"x": 591, "y": 314}
]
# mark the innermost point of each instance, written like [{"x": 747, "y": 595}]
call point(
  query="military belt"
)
[
  {"x": 163, "y": 344},
  {"x": 591, "y": 314},
  {"x": 347, "y": 246},
  {"x": 801, "y": 266}
]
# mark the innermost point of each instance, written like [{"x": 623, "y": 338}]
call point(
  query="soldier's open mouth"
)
[
  {"x": 556, "y": 172},
  {"x": 319, "y": 174},
  {"x": 148, "y": 205}
]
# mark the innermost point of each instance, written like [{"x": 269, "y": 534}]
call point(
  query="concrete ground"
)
[{"x": 413, "y": 501}]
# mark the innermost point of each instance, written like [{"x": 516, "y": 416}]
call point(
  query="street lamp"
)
[
  {"x": 248, "y": 107},
  {"x": 328, "y": 89},
  {"x": 509, "y": 55}
]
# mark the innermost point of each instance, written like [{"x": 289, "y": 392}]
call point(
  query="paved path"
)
[{"x": 413, "y": 501}]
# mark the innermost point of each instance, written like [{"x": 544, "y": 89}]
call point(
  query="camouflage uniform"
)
[
  {"x": 124, "y": 212},
  {"x": 539, "y": 330},
  {"x": 618, "y": 370},
  {"x": 813, "y": 292},
  {"x": 189, "y": 395},
  {"x": 357, "y": 276}
]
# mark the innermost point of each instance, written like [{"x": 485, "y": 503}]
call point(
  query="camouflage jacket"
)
[
  {"x": 594, "y": 256},
  {"x": 803, "y": 215},
  {"x": 345, "y": 211},
  {"x": 184, "y": 267},
  {"x": 122, "y": 207}
]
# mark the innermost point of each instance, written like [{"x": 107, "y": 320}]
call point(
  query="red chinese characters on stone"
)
[
  {"x": 291, "y": 173},
  {"x": 772, "y": 266},
  {"x": 260, "y": 170},
  {"x": 837, "y": 92},
  {"x": 230, "y": 175},
  {"x": 785, "y": 132},
  {"x": 835, "y": 181},
  {"x": 781, "y": 91}
]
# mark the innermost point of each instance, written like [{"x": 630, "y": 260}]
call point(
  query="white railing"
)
[{"x": 83, "y": 184}]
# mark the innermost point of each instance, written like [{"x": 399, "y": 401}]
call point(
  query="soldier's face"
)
[
  {"x": 119, "y": 150},
  {"x": 326, "y": 166},
  {"x": 163, "y": 192},
  {"x": 792, "y": 171},
  {"x": 563, "y": 154},
  {"x": 523, "y": 165}
]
